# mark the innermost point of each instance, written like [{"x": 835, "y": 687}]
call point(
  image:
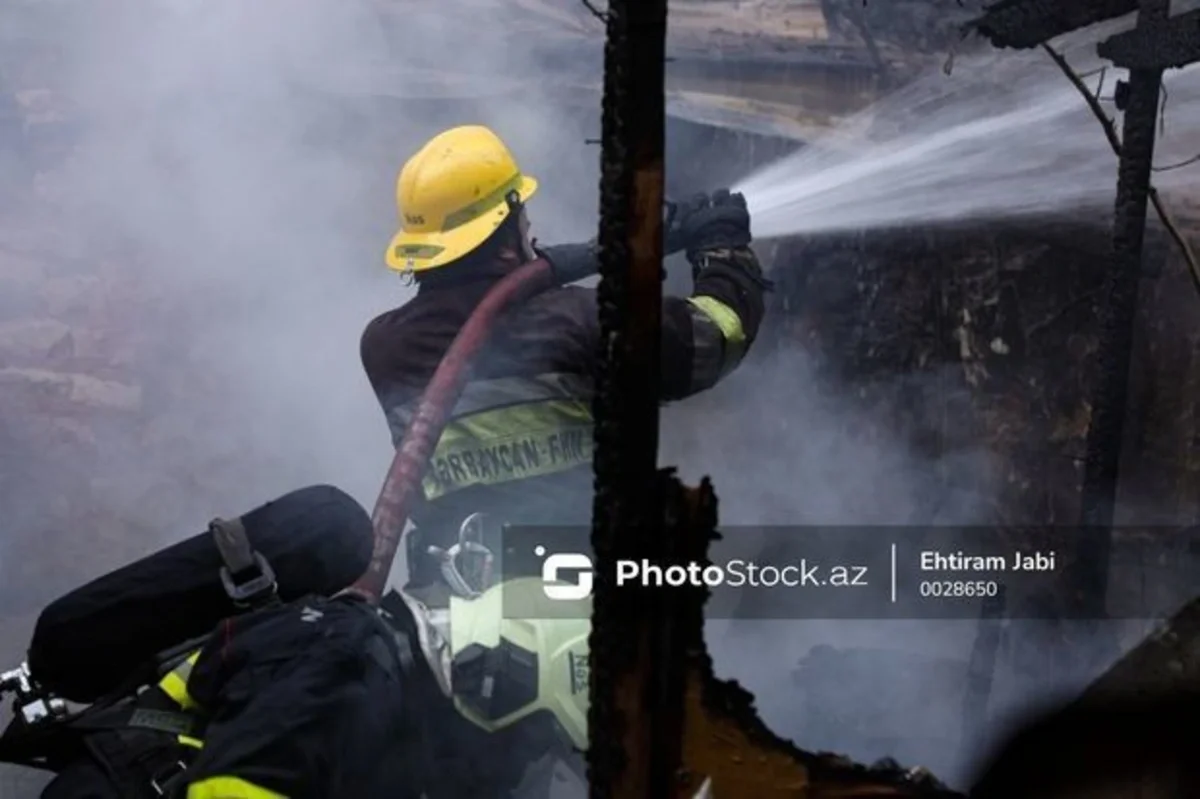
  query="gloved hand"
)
[
  {"x": 719, "y": 221},
  {"x": 675, "y": 216}
]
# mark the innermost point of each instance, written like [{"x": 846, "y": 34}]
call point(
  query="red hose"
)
[{"x": 441, "y": 395}]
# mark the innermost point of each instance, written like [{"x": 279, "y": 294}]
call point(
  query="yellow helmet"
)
[
  {"x": 452, "y": 195},
  {"x": 505, "y": 668}
]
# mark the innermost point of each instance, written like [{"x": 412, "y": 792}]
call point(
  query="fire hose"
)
[{"x": 405, "y": 474}]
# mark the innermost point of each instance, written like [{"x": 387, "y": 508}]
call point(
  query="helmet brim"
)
[{"x": 419, "y": 252}]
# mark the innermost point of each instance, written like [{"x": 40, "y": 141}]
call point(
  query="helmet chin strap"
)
[{"x": 517, "y": 207}]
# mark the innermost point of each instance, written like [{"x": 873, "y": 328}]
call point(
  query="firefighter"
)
[
  {"x": 334, "y": 698},
  {"x": 518, "y": 446}
]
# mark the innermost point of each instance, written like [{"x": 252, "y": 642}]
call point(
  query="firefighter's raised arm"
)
[{"x": 706, "y": 335}]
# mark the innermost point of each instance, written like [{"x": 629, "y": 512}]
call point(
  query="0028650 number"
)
[{"x": 959, "y": 589}]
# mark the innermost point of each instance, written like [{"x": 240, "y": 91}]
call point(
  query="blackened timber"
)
[
  {"x": 1162, "y": 44},
  {"x": 1022, "y": 24},
  {"x": 1109, "y": 399},
  {"x": 1122, "y": 730},
  {"x": 635, "y": 725}
]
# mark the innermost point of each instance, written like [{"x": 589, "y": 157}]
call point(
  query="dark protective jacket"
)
[
  {"x": 307, "y": 700},
  {"x": 330, "y": 698},
  {"x": 314, "y": 699},
  {"x": 519, "y": 442}
]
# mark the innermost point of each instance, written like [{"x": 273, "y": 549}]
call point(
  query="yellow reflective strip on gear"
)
[
  {"x": 513, "y": 443},
  {"x": 730, "y": 325},
  {"x": 485, "y": 395},
  {"x": 229, "y": 788},
  {"x": 174, "y": 684},
  {"x": 187, "y": 740},
  {"x": 722, "y": 316},
  {"x": 416, "y": 250},
  {"x": 482, "y": 205}
]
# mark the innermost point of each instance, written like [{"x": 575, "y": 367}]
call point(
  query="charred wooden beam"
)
[
  {"x": 1165, "y": 662},
  {"x": 1159, "y": 44},
  {"x": 1120, "y": 733},
  {"x": 1022, "y": 24},
  {"x": 635, "y": 719},
  {"x": 1109, "y": 399}
]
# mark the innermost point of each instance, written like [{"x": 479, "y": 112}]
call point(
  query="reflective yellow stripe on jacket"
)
[
  {"x": 174, "y": 684},
  {"x": 509, "y": 429},
  {"x": 714, "y": 362},
  {"x": 229, "y": 788}
]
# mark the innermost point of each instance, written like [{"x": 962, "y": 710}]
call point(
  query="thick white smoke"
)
[{"x": 245, "y": 154}]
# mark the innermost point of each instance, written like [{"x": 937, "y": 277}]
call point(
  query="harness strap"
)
[
  {"x": 150, "y": 771},
  {"x": 128, "y": 715},
  {"x": 165, "y": 721},
  {"x": 230, "y": 537},
  {"x": 144, "y": 751},
  {"x": 396, "y": 625},
  {"x": 384, "y": 656}
]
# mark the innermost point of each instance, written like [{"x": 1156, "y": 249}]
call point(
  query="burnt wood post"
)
[
  {"x": 1109, "y": 399},
  {"x": 635, "y": 720}
]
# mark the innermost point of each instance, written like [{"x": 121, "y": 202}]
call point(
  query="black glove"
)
[
  {"x": 674, "y": 219},
  {"x": 719, "y": 221}
]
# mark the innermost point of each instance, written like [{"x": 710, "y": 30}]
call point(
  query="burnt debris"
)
[{"x": 1022, "y": 24}]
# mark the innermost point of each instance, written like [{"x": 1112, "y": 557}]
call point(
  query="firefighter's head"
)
[
  {"x": 508, "y": 671},
  {"x": 461, "y": 199}
]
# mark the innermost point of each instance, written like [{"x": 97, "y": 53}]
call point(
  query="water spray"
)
[{"x": 1000, "y": 137}]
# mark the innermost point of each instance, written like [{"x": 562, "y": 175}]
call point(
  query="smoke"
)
[
  {"x": 786, "y": 447},
  {"x": 241, "y": 158}
]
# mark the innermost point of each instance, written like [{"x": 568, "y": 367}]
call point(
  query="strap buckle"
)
[
  {"x": 167, "y": 777},
  {"x": 239, "y": 557},
  {"x": 254, "y": 591}
]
